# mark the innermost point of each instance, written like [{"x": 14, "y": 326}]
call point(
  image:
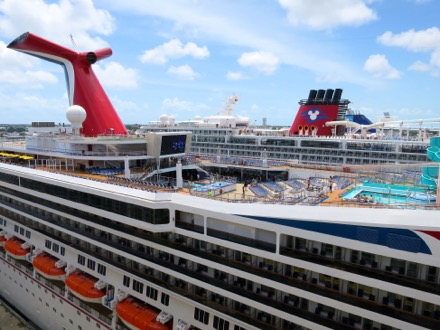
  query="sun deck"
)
[{"x": 309, "y": 188}]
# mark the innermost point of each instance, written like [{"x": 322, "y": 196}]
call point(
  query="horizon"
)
[{"x": 185, "y": 57}]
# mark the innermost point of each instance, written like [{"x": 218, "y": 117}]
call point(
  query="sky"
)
[{"x": 185, "y": 57}]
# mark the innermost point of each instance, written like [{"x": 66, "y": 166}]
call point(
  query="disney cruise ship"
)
[
  {"x": 92, "y": 237},
  {"x": 324, "y": 131}
]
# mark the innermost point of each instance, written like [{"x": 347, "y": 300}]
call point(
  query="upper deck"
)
[{"x": 123, "y": 161}]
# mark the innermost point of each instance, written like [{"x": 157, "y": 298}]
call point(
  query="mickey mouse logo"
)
[{"x": 313, "y": 114}]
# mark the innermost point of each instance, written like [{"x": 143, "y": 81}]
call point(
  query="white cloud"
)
[
  {"x": 327, "y": 14},
  {"x": 183, "y": 72},
  {"x": 419, "y": 66},
  {"x": 235, "y": 76},
  {"x": 113, "y": 74},
  {"x": 129, "y": 110},
  {"x": 173, "y": 49},
  {"x": 183, "y": 109},
  {"x": 42, "y": 76},
  {"x": 235, "y": 23},
  {"x": 56, "y": 21},
  {"x": 379, "y": 67},
  {"x": 435, "y": 58},
  {"x": 262, "y": 61},
  {"x": 423, "y": 41},
  {"x": 12, "y": 59},
  {"x": 23, "y": 108},
  {"x": 416, "y": 41},
  {"x": 176, "y": 104},
  {"x": 29, "y": 79}
]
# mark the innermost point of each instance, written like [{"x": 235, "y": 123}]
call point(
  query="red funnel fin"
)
[{"x": 83, "y": 86}]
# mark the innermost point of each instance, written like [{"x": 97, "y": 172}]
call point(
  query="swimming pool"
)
[
  {"x": 212, "y": 186},
  {"x": 215, "y": 188},
  {"x": 391, "y": 194}
]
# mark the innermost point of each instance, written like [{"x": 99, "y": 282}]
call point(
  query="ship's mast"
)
[{"x": 228, "y": 110}]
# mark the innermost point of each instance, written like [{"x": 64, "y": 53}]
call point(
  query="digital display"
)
[{"x": 172, "y": 144}]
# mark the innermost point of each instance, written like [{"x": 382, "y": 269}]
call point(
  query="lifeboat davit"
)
[
  {"x": 2, "y": 239},
  {"x": 46, "y": 265},
  {"x": 82, "y": 285},
  {"x": 137, "y": 315},
  {"x": 16, "y": 249}
]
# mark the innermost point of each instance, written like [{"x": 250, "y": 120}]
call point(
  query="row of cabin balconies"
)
[{"x": 219, "y": 259}]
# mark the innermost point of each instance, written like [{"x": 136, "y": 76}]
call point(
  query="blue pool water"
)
[
  {"x": 391, "y": 194},
  {"x": 212, "y": 186}
]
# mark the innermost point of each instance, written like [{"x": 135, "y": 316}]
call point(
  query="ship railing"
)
[
  {"x": 227, "y": 285},
  {"x": 356, "y": 204},
  {"x": 275, "y": 299},
  {"x": 121, "y": 153},
  {"x": 201, "y": 228},
  {"x": 176, "y": 267},
  {"x": 57, "y": 289},
  {"x": 234, "y": 197},
  {"x": 89, "y": 309},
  {"x": 23, "y": 267}
]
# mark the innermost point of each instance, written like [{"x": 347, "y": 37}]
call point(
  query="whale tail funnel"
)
[{"x": 83, "y": 86}]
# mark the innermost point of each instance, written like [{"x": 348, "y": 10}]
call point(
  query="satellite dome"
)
[
  {"x": 197, "y": 118},
  {"x": 76, "y": 115},
  {"x": 171, "y": 120},
  {"x": 163, "y": 119}
]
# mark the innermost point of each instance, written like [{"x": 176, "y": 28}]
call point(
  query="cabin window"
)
[
  {"x": 165, "y": 299},
  {"x": 151, "y": 293},
  {"x": 126, "y": 281},
  {"x": 201, "y": 315},
  {"x": 91, "y": 264},
  {"x": 220, "y": 324},
  {"x": 81, "y": 260},
  {"x": 138, "y": 286},
  {"x": 102, "y": 269}
]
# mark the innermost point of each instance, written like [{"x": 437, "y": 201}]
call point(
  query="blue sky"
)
[{"x": 184, "y": 57}]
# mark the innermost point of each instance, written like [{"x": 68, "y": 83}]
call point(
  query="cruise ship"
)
[
  {"x": 324, "y": 131},
  {"x": 104, "y": 230}
]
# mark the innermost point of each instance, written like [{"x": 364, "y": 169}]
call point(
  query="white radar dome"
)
[
  {"x": 76, "y": 115},
  {"x": 163, "y": 119},
  {"x": 171, "y": 120}
]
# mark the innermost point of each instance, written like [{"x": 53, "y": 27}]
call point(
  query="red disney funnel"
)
[
  {"x": 320, "y": 107},
  {"x": 83, "y": 87}
]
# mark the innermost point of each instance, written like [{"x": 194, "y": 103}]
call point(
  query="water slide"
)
[{"x": 430, "y": 173}]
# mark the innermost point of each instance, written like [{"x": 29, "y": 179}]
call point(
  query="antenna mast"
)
[{"x": 74, "y": 43}]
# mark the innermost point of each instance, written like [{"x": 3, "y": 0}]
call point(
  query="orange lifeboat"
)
[
  {"x": 45, "y": 264},
  {"x": 82, "y": 285},
  {"x": 139, "y": 316},
  {"x": 15, "y": 249}
]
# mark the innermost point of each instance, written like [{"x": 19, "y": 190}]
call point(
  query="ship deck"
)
[{"x": 317, "y": 194}]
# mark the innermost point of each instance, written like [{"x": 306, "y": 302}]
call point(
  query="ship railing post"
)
[
  {"x": 114, "y": 319},
  {"x": 437, "y": 200}
]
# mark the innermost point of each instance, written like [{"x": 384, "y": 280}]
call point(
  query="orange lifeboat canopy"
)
[
  {"x": 45, "y": 264},
  {"x": 82, "y": 285},
  {"x": 13, "y": 246},
  {"x": 138, "y": 315}
]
